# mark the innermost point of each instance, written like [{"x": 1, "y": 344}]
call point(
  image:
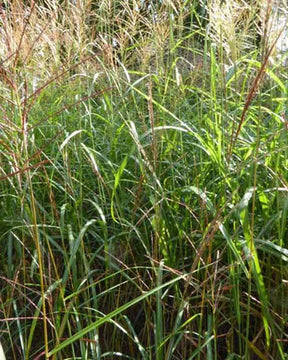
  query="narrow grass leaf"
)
[
  {"x": 2, "y": 355},
  {"x": 109, "y": 316},
  {"x": 65, "y": 142}
]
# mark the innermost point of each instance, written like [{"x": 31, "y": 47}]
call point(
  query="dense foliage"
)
[{"x": 144, "y": 179}]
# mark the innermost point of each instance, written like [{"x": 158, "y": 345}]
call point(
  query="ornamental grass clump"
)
[{"x": 143, "y": 168}]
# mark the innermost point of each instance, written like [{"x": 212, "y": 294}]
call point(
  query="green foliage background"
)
[{"x": 143, "y": 168}]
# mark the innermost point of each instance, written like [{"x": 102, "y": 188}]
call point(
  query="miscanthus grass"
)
[{"x": 143, "y": 180}]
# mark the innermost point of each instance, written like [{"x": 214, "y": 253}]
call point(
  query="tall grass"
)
[{"x": 143, "y": 172}]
